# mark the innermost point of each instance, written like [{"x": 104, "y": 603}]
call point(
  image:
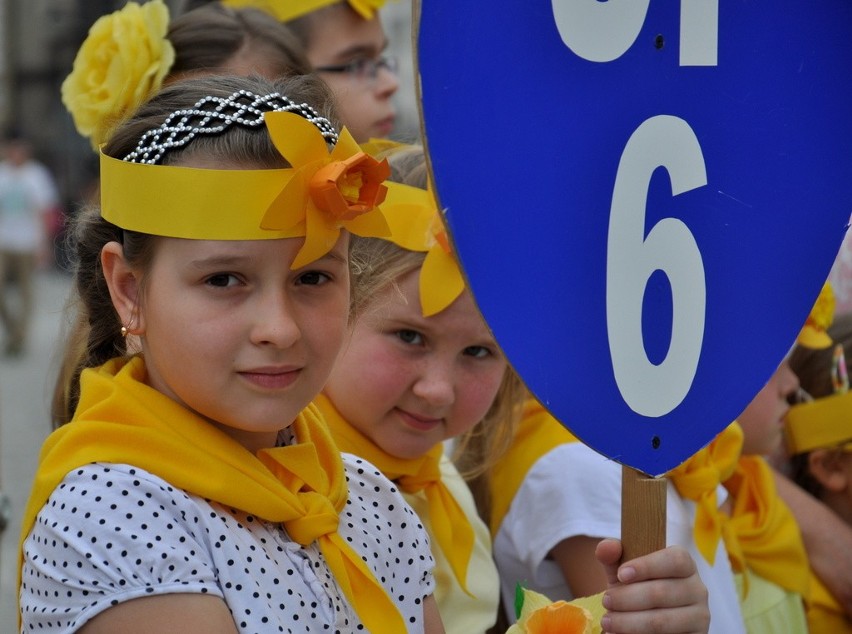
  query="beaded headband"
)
[
  {"x": 415, "y": 225},
  {"x": 286, "y": 10},
  {"x": 322, "y": 193},
  {"x": 824, "y": 421}
]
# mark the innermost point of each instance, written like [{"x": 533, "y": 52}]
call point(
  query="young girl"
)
[
  {"x": 819, "y": 438},
  {"x": 215, "y": 40},
  {"x": 194, "y": 489},
  {"x": 345, "y": 43},
  {"x": 421, "y": 368}
]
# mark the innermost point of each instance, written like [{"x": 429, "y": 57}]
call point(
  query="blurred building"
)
[{"x": 39, "y": 41}]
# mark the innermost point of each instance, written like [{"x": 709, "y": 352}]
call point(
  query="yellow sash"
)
[
  {"x": 453, "y": 532},
  {"x": 697, "y": 479},
  {"x": 122, "y": 420},
  {"x": 763, "y": 535}
]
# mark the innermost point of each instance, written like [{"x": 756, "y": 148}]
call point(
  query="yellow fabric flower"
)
[
  {"x": 540, "y": 615},
  {"x": 120, "y": 65},
  {"x": 814, "y": 333},
  {"x": 329, "y": 191}
]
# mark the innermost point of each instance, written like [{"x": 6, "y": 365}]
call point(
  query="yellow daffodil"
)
[
  {"x": 814, "y": 334},
  {"x": 329, "y": 191},
  {"x": 540, "y": 615}
]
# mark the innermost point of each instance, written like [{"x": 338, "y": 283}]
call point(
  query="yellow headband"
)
[
  {"x": 286, "y": 10},
  {"x": 415, "y": 224},
  {"x": 321, "y": 194},
  {"x": 122, "y": 62},
  {"x": 821, "y": 423}
]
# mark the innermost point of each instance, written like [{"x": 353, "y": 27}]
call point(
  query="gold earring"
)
[{"x": 124, "y": 331}]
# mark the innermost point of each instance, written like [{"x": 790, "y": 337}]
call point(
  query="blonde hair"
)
[{"x": 378, "y": 264}]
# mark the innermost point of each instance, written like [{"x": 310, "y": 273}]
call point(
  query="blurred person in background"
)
[{"x": 27, "y": 196}]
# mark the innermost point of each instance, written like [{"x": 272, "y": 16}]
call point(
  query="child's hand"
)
[{"x": 658, "y": 593}]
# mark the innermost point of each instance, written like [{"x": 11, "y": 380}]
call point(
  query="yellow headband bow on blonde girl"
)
[
  {"x": 120, "y": 65},
  {"x": 286, "y": 10},
  {"x": 321, "y": 194},
  {"x": 415, "y": 224}
]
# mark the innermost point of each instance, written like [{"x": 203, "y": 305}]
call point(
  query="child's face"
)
[
  {"x": 763, "y": 419},
  {"x": 340, "y": 36},
  {"x": 408, "y": 382},
  {"x": 229, "y": 331}
]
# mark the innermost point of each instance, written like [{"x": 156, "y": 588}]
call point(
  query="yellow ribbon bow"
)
[
  {"x": 415, "y": 224},
  {"x": 697, "y": 479},
  {"x": 122, "y": 420},
  {"x": 453, "y": 532}
]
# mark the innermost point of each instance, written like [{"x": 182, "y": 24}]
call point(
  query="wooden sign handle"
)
[{"x": 643, "y": 513}]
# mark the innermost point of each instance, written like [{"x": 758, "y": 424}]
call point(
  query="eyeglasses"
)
[{"x": 364, "y": 69}]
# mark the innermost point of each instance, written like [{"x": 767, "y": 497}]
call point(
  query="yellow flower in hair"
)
[
  {"x": 286, "y": 10},
  {"x": 814, "y": 333},
  {"x": 120, "y": 65},
  {"x": 329, "y": 191},
  {"x": 540, "y": 615}
]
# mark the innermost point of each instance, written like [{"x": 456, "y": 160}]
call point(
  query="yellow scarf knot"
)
[
  {"x": 452, "y": 530},
  {"x": 303, "y": 486}
]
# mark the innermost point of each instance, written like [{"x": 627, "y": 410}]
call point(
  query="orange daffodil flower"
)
[
  {"x": 416, "y": 225},
  {"x": 540, "y": 615},
  {"x": 328, "y": 191}
]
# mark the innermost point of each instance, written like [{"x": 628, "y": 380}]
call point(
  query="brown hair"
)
[
  {"x": 94, "y": 336},
  {"x": 379, "y": 263},
  {"x": 206, "y": 39}
]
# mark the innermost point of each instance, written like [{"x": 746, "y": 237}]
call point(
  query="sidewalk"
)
[{"x": 26, "y": 385}]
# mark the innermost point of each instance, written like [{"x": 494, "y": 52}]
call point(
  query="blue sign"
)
[{"x": 646, "y": 197}]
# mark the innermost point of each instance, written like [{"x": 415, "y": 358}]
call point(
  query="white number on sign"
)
[
  {"x": 603, "y": 31},
  {"x": 649, "y": 389}
]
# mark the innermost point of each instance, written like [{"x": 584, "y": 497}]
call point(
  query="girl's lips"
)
[
  {"x": 385, "y": 126},
  {"x": 420, "y": 423},
  {"x": 271, "y": 379}
]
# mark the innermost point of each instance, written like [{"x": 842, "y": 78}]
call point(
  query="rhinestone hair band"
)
[{"x": 214, "y": 115}]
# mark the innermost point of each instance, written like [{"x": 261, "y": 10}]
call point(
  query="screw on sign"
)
[{"x": 633, "y": 189}]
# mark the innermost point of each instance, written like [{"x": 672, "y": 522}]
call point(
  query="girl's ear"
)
[
  {"x": 124, "y": 287},
  {"x": 826, "y": 466}
]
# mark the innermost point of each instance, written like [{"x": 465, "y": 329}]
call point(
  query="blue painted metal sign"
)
[{"x": 646, "y": 196}]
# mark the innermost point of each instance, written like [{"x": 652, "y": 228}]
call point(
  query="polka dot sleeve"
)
[{"x": 109, "y": 534}]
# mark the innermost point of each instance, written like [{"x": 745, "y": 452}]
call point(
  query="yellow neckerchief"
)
[
  {"x": 762, "y": 534},
  {"x": 452, "y": 529},
  {"x": 697, "y": 479},
  {"x": 825, "y": 614},
  {"x": 537, "y": 433},
  {"x": 122, "y": 420}
]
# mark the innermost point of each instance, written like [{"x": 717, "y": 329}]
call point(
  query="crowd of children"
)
[{"x": 279, "y": 408}]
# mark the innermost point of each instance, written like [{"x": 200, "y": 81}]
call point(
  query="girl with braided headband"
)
[{"x": 195, "y": 488}]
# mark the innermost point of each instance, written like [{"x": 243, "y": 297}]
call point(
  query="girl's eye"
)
[
  {"x": 410, "y": 336},
  {"x": 478, "y": 352},
  {"x": 313, "y": 278},
  {"x": 222, "y": 280}
]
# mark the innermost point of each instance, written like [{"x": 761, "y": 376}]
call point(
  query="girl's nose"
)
[
  {"x": 274, "y": 322},
  {"x": 435, "y": 385}
]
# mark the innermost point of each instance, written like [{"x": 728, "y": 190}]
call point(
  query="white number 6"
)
[{"x": 648, "y": 389}]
